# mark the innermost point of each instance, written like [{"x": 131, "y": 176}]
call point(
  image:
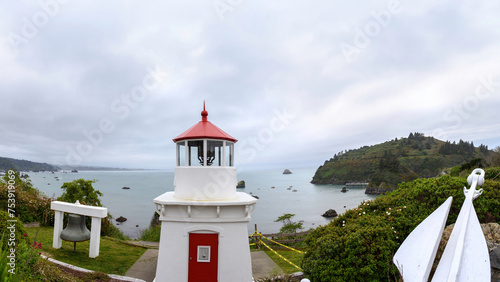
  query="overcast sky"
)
[{"x": 111, "y": 83}]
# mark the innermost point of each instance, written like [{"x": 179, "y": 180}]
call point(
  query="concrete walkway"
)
[
  {"x": 263, "y": 266},
  {"x": 145, "y": 267}
]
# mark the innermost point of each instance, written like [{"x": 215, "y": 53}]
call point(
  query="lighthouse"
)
[{"x": 204, "y": 233}]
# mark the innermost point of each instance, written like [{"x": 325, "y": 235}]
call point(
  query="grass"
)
[
  {"x": 292, "y": 256},
  {"x": 115, "y": 257},
  {"x": 151, "y": 234}
]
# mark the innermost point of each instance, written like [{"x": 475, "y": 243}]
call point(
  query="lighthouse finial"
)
[{"x": 204, "y": 113}]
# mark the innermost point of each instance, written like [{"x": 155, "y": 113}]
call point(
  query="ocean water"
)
[{"x": 136, "y": 204}]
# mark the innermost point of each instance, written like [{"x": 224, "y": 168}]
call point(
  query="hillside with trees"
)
[
  {"x": 23, "y": 165},
  {"x": 400, "y": 160}
]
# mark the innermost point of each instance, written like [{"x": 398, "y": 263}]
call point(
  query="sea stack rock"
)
[
  {"x": 241, "y": 184},
  {"x": 330, "y": 213},
  {"x": 121, "y": 219},
  {"x": 287, "y": 171}
]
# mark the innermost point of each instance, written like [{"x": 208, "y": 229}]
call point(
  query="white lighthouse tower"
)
[{"x": 204, "y": 234}]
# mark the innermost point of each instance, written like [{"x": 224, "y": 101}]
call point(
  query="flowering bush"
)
[
  {"x": 29, "y": 266},
  {"x": 31, "y": 205}
]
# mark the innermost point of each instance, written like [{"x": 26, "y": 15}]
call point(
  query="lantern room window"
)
[
  {"x": 196, "y": 154},
  {"x": 228, "y": 153},
  {"x": 214, "y": 152},
  {"x": 181, "y": 153},
  {"x": 205, "y": 153}
]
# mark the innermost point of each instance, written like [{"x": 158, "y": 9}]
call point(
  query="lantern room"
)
[
  {"x": 205, "y": 152},
  {"x": 204, "y": 144},
  {"x": 205, "y": 162}
]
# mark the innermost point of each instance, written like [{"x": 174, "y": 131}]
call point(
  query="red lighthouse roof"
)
[{"x": 204, "y": 129}]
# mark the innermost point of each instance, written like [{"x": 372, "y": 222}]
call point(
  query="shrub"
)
[
  {"x": 25, "y": 254},
  {"x": 30, "y": 205},
  {"x": 359, "y": 244},
  {"x": 30, "y": 267},
  {"x": 5, "y": 233},
  {"x": 153, "y": 234},
  {"x": 357, "y": 250},
  {"x": 19, "y": 267},
  {"x": 492, "y": 173},
  {"x": 455, "y": 171},
  {"x": 108, "y": 229}
]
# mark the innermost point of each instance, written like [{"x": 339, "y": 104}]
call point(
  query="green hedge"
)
[{"x": 359, "y": 244}]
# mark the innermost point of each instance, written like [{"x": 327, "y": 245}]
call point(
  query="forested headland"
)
[
  {"x": 405, "y": 159},
  {"x": 23, "y": 165}
]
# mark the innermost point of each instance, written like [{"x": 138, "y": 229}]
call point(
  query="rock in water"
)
[
  {"x": 330, "y": 213},
  {"x": 287, "y": 171},
  {"x": 241, "y": 184},
  {"x": 121, "y": 219},
  {"x": 126, "y": 188}
]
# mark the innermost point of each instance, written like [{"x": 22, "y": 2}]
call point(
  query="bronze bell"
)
[{"x": 76, "y": 230}]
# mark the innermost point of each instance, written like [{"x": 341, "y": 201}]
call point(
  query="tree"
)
[
  {"x": 289, "y": 226},
  {"x": 496, "y": 156},
  {"x": 81, "y": 190}
]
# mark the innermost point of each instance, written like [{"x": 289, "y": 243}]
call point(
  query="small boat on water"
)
[
  {"x": 294, "y": 190},
  {"x": 289, "y": 188},
  {"x": 272, "y": 187}
]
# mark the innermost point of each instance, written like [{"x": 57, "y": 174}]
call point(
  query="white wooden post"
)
[
  {"x": 97, "y": 213},
  {"x": 58, "y": 227},
  {"x": 95, "y": 237}
]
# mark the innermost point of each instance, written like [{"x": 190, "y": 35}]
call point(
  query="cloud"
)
[{"x": 417, "y": 69}]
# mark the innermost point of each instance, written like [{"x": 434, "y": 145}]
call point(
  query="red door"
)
[{"x": 203, "y": 257}]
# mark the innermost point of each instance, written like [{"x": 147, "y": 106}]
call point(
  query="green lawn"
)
[
  {"x": 292, "y": 256},
  {"x": 115, "y": 257}
]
